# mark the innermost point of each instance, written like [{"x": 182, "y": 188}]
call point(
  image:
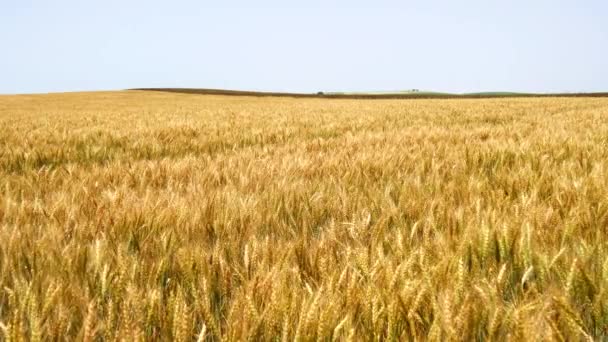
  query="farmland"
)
[{"x": 147, "y": 215}]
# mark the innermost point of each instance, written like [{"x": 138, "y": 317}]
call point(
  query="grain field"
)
[{"x": 160, "y": 216}]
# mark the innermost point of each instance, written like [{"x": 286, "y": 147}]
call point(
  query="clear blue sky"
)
[{"x": 459, "y": 46}]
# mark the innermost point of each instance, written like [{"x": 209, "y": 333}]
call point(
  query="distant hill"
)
[{"x": 408, "y": 94}]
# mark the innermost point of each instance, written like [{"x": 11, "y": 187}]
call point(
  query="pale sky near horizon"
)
[{"x": 304, "y": 46}]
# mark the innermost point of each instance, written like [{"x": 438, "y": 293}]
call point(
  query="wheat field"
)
[{"x": 154, "y": 216}]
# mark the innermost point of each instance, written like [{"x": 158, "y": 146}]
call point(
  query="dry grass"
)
[{"x": 141, "y": 216}]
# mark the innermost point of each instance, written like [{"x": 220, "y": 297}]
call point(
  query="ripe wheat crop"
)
[{"x": 154, "y": 216}]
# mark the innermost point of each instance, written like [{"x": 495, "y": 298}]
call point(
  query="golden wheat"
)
[{"x": 146, "y": 216}]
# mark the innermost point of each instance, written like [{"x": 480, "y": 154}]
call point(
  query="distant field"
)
[
  {"x": 374, "y": 94},
  {"x": 145, "y": 215},
  {"x": 398, "y": 93}
]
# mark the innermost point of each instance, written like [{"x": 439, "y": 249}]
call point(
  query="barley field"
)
[{"x": 155, "y": 216}]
